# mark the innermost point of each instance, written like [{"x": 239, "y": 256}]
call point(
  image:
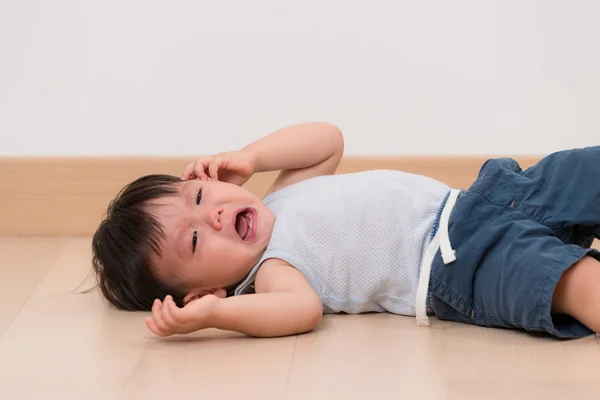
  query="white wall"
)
[{"x": 81, "y": 77}]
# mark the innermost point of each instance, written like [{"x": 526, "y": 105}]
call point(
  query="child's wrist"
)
[
  {"x": 214, "y": 317},
  {"x": 252, "y": 157}
]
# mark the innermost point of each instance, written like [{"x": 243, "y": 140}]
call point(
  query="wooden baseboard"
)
[{"x": 68, "y": 196}]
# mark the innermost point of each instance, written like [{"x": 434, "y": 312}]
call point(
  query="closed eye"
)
[
  {"x": 199, "y": 197},
  {"x": 194, "y": 241}
]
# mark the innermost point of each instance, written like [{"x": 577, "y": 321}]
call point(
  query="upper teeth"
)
[{"x": 249, "y": 224}]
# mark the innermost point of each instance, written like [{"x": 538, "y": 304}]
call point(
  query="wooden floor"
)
[{"x": 58, "y": 344}]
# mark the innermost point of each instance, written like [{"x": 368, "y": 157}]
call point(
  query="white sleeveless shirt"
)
[{"x": 358, "y": 238}]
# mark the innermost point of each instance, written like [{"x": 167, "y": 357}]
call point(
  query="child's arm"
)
[
  {"x": 284, "y": 304},
  {"x": 299, "y": 151}
]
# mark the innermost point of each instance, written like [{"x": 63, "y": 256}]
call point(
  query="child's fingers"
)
[
  {"x": 152, "y": 327},
  {"x": 213, "y": 167},
  {"x": 189, "y": 171},
  {"x": 195, "y": 170},
  {"x": 167, "y": 314},
  {"x": 175, "y": 313},
  {"x": 200, "y": 169},
  {"x": 157, "y": 318}
]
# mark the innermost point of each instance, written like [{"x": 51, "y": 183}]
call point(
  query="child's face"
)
[{"x": 215, "y": 233}]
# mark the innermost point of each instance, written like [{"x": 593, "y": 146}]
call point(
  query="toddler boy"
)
[{"x": 199, "y": 251}]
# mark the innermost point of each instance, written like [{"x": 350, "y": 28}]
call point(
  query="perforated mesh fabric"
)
[{"x": 358, "y": 238}]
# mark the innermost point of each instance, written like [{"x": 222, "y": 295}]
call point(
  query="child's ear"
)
[{"x": 194, "y": 295}]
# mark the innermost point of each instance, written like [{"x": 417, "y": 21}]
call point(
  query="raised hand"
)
[{"x": 234, "y": 167}]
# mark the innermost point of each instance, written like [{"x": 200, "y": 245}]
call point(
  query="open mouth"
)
[{"x": 244, "y": 224}]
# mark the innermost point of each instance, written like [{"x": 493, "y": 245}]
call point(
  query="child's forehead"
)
[
  {"x": 178, "y": 190},
  {"x": 185, "y": 187},
  {"x": 168, "y": 206}
]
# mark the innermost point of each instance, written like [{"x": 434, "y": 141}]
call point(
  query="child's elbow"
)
[
  {"x": 337, "y": 138},
  {"x": 314, "y": 315}
]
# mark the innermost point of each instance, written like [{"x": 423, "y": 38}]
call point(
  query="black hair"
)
[{"x": 127, "y": 242}]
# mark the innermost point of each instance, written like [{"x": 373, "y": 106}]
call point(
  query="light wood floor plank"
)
[
  {"x": 23, "y": 265},
  {"x": 65, "y": 345}
]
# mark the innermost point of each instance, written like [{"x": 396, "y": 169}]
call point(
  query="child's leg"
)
[
  {"x": 578, "y": 293},
  {"x": 521, "y": 241},
  {"x": 563, "y": 192}
]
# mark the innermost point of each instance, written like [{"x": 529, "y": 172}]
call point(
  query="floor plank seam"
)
[
  {"x": 289, "y": 373},
  {"x": 11, "y": 320}
]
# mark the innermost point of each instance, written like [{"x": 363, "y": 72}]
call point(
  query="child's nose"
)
[{"x": 213, "y": 218}]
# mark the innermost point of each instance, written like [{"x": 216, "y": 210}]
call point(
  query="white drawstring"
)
[
  {"x": 421, "y": 300},
  {"x": 448, "y": 253},
  {"x": 441, "y": 241}
]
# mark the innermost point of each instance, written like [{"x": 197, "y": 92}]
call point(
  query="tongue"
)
[{"x": 241, "y": 226}]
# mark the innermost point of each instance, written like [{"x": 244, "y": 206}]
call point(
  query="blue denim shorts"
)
[{"x": 515, "y": 232}]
